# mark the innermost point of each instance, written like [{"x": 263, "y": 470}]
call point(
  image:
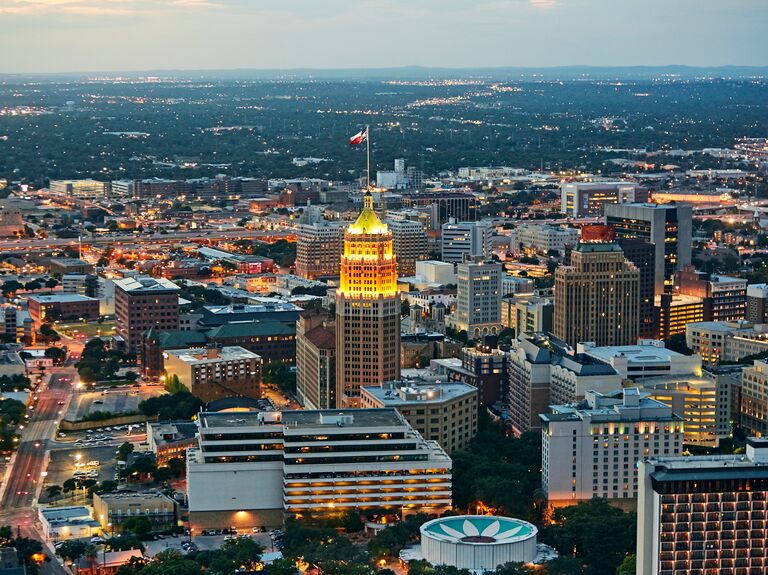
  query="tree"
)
[
  {"x": 53, "y": 491},
  {"x": 69, "y": 485},
  {"x": 173, "y": 384},
  {"x": 171, "y": 562},
  {"x": 72, "y": 550},
  {"x": 58, "y": 355},
  {"x": 601, "y": 535},
  {"x": 124, "y": 451},
  {"x": 628, "y": 566},
  {"x": 677, "y": 343}
]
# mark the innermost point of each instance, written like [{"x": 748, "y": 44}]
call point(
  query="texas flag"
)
[{"x": 359, "y": 138}]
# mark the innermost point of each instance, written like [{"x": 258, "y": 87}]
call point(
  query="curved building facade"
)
[{"x": 478, "y": 542}]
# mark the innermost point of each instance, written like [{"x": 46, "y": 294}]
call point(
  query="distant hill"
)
[{"x": 415, "y": 73}]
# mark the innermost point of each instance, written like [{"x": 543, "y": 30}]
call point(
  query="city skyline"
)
[{"x": 327, "y": 35}]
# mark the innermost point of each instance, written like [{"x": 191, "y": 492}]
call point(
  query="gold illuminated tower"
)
[{"x": 367, "y": 309}]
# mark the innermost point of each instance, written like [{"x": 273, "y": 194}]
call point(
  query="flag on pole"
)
[{"x": 359, "y": 138}]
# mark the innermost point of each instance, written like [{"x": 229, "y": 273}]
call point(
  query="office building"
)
[
  {"x": 409, "y": 243},
  {"x": 81, "y": 284},
  {"x": 465, "y": 239},
  {"x": 311, "y": 463},
  {"x": 478, "y": 298},
  {"x": 141, "y": 303},
  {"x": 543, "y": 370},
  {"x": 725, "y": 298},
  {"x": 316, "y": 361},
  {"x": 703, "y": 514},
  {"x": 527, "y": 313},
  {"x": 270, "y": 310},
  {"x": 319, "y": 245},
  {"x": 62, "y": 307},
  {"x": 592, "y": 448},
  {"x": 514, "y": 285},
  {"x": 434, "y": 272},
  {"x": 444, "y": 412},
  {"x": 667, "y": 226},
  {"x": 597, "y": 297},
  {"x": 112, "y": 509},
  {"x": 641, "y": 253},
  {"x": 367, "y": 309},
  {"x": 757, "y": 297},
  {"x": 84, "y": 189},
  {"x": 546, "y": 238},
  {"x": 213, "y": 372},
  {"x": 446, "y": 205},
  {"x": 581, "y": 199},
  {"x": 672, "y": 312},
  {"x": 754, "y": 399}
]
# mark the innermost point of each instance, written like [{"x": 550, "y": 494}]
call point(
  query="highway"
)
[{"x": 28, "y": 244}]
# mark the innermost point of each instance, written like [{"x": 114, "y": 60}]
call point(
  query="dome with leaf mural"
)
[{"x": 478, "y": 542}]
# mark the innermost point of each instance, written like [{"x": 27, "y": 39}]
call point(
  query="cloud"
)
[{"x": 99, "y": 7}]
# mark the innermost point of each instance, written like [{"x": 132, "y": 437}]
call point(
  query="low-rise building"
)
[
  {"x": 213, "y": 372},
  {"x": 592, "y": 448},
  {"x": 64, "y": 523},
  {"x": 480, "y": 367},
  {"x": 170, "y": 440},
  {"x": 547, "y": 238},
  {"x": 444, "y": 412},
  {"x": 62, "y": 307},
  {"x": 717, "y": 341},
  {"x": 673, "y": 312},
  {"x": 108, "y": 562},
  {"x": 112, "y": 509},
  {"x": 754, "y": 399}
]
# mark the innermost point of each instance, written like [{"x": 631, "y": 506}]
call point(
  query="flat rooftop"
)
[
  {"x": 199, "y": 355},
  {"x": 422, "y": 393},
  {"x": 385, "y": 417},
  {"x": 146, "y": 284},
  {"x": 633, "y": 353},
  {"x": 61, "y": 298}
]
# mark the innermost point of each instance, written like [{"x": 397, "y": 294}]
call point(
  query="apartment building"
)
[{"x": 142, "y": 303}]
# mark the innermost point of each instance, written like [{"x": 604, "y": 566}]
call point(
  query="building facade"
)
[
  {"x": 668, "y": 227},
  {"x": 142, "y": 303},
  {"x": 478, "y": 298},
  {"x": 757, "y": 297},
  {"x": 115, "y": 508},
  {"x": 725, "y": 298},
  {"x": 465, "y": 239},
  {"x": 754, "y": 399},
  {"x": 409, "y": 243},
  {"x": 311, "y": 463},
  {"x": 367, "y": 309},
  {"x": 213, "y": 372},
  {"x": 672, "y": 312},
  {"x": 597, "y": 297},
  {"x": 316, "y": 361},
  {"x": 319, "y": 246},
  {"x": 62, "y": 307},
  {"x": 591, "y": 449},
  {"x": 580, "y": 199},
  {"x": 703, "y": 514},
  {"x": 446, "y": 412}
]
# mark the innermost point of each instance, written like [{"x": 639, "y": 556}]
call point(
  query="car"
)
[
  {"x": 59, "y": 403},
  {"x": 97, "y": 540},
  {"x": 257, "y": 529},
  {"x": 62, "y": 434},
  {"x": 243, "y": 536},
  {"x": 98, "y": 402},
  {"x": 93, "y": 463},
  {"x": 228, "y": 538}
]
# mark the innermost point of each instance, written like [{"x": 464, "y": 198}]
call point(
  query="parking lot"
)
[
  {"x": 118, "y": 400},
  {"x": 65, "y": 463},
  {"x": 203, "y": 542}
]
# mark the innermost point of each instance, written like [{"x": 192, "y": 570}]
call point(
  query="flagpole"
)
[{"x": 368, "y": 146}]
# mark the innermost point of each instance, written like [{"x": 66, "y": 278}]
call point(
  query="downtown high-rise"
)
[{"x": 367, "y": 309}]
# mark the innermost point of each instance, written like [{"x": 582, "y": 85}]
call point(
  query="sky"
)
[{"x": 136, "y": 35}]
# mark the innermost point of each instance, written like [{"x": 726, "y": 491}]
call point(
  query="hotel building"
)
[
  {"x": 367, "y": 309},
  {"x": 591, "y": 449},
  {"x": 704, "y": 514},
  {"x": 311, "y": 462}
]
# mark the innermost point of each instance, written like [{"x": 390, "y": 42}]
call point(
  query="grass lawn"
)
[{"x": 88, "y": 329}]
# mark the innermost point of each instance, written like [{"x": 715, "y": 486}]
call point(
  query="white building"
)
[
  {"x": 436, "y": 272},
  {"x": 460, "y": 239},
  {"x": 79, "y": 188},
  {"x": 545, "y": 237},
  {"x": 703, "y": 514},
  {"x": 591, "y": 449},
  {"x": 478, "y": 298},
  {"x": 311, "y": 462},
  {"x": 647, "y": 359},
  {"x": 516, "y": 285},
  {"x": 579, "y": 199}
]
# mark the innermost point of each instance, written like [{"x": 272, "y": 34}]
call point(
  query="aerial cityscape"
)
[{"x": 492, "y": 305}]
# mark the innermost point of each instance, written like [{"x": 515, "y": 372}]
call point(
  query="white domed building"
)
[{"x": 478, "y": 542}]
